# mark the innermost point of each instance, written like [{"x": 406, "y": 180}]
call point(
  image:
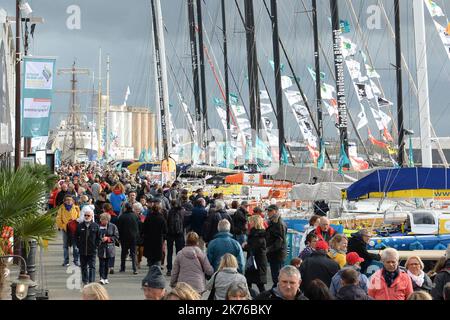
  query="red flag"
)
[
  {"x": 375, "y": 141},
  {"x": 314, "y": 153},
  {"x": 387, "y": 135}
]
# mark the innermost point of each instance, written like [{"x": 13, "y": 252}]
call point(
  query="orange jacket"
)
[{"x": 399, "y": 290}]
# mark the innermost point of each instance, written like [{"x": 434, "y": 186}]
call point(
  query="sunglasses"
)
[{"x": 88, "y": 215}]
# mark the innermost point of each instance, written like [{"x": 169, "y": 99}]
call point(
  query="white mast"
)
[
  {"x": 422, "y": 82},
  {"x": 107, "y": 124}
]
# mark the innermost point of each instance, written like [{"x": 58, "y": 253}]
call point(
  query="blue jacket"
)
[
  {"x": 116, "y": 201},
  {"x": 336, "y": 281},
  {"x": 222, "y": 243},
  {"x": 198, "y": 218}
]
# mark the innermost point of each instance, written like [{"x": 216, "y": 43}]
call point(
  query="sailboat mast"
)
[
  {"x": 422, "y": 83},
  {"x": 317, "y": 69},
  {"x": 252, "y": 65},
  {"x": 161, "y": 77},
  {"x": 398, "y": 57},
  {"x": 225, "y": 58},
  {"x": 99, "y": 128},
  {"x": 107, "y": 125},
  {"x": 202, "y": 71},
  {"x": 277, "y": 70},
  {"x": 339, "y": 70},
  {"x": 194, "y": 63}
]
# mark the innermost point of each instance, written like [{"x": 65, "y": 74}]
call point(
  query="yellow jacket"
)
[
  {"x": 339, "y": 257},
  {"x": 64, "y": 216}
]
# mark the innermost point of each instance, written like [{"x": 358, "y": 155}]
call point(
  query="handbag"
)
[
  {"x": 212, "y": 294},
  {"x": 251, "y": 264}
]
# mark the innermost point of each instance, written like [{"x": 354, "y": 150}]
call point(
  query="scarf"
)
[
  {"x": 68, "y": 207},
  {"x": 117, "y": 191},
  {"x": 390, "y": 277},
  {"x": 417, "y": 279}
]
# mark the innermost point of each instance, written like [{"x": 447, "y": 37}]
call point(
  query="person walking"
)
[
  {"x": 109, "y": 235},
  {"x": 288, "y": 286},
  {"x": 256, "y": 252},
  {"x": 227, "y": 273},
  {"x": 276, "y": 242},
  {"x": 239, "y": 223},
  {"x": 88, "y": 240},
  {"x": 318, "y": 266},
  {"x": 442, "y": 278},
  {"x": 128, "y": 225},
  {"x": 66, "y": 221},
  {"x": 198, "y": 218},
  {"x": 175, "y": 231},
  {"x": 191, "y": 265},
  {"x": 215, "y": 215},
  {"x": 390, "y": 282},
  {"x": 117, "y": 197},
  {"x": 324, "y": 231},
  {"x": 224, "y": 243},
  {"x": 154, "y": 232},
  {"x": 358, "y": 243}
]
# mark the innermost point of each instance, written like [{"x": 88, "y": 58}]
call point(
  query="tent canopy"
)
[
  {"x": 319, "y": 191},
  {"x": 402, "y": 183}
]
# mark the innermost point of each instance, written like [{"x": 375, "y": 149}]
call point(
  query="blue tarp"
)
[{"x": 387, "y": 180}]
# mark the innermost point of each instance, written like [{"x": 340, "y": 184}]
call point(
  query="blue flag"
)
[
  {"x": 321, "y": 160},
  {"x": 284, "y": 156},
  {"x": 149, "y": 155},
  {"x": 343, "y": 160},
  {"x": 345, "y": 26},
  {"x": 234, "y": 98},
  {"x": 272, "y": 64},
  {"x": 142, "y": 155},
  {"x": 410, "y": 153},
  {"x": 218, "y": 102}
]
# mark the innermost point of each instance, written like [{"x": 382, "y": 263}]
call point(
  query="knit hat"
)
[{"x": 154, "y": 278}]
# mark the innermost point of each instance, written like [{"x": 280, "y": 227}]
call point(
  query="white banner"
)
[
  {"x": 39, "y": 75},
  {"x": 36, "y": 108}
]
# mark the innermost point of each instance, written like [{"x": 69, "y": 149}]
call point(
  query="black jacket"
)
[
  {"x": 276, "y": 240},
  {"x": 108, "y": 249},
  {"x": 60, "y": 197},
  {"x": 211, "y": 223},
  {"x": 88, "y": 238},
  {"x": 271, "y": 295},
  {"x": 155, "y": 231},
  {"x": 440, "y": 280},
  {"x": 128, "y": 225},
  {"x": 427, "y": 284},
  {"x": 171, "y": 221},
  {"x": 256, "y": 245},
  {"x": 352, "y": 292},
  {"x": 317, "y": 266},
  {"x": 239, "y": 222},
  {"x": 357, "y": 244}
]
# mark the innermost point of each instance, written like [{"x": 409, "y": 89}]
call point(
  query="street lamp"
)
[{"x": 20, "y": 286}]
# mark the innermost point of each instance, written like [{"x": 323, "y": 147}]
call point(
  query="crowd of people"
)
[{"x": 221, "y": 249}]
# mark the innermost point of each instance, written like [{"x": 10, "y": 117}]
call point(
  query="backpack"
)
[
  {"x": 72, "y": 226},
  {"x": 176, "y": 222}
]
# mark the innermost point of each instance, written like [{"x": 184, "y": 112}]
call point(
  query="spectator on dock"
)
[{"x": 324, "y": 231}]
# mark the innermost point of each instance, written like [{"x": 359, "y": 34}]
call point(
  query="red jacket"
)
[
  {"x": 331, "y": 232},
  {"x": 400, "y": 289},
  {"x": 52, "y": 199}
]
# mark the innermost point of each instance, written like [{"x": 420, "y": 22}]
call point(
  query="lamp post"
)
[{"x": 23, "y": 287}]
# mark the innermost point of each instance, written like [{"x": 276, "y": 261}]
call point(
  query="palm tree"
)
[{"x": 22, "y": 207}]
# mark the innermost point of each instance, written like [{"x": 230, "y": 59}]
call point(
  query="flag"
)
[
  {"x": 262, "y": 150},
  {"x": 234, "y": 98},
  {"x": 359, "y": 164},
  {"x": 362, "y": 118},
  {"x": 321, "y": 160},
  {"x": 387, "y": 135},
  {"x": 354, "y": 68},
  {"x": 410, "y": 153},
  {"x": 345, "y": 26},
  {"x": 361, "y": 90},
  {"x": 149, "y": 155},
  {"x": 348, "y": 47},
  {"x": 218, "y": 102},
  {"x": 284, "y": 156},
  {"x": 33, "y": 27},
  {"x": 382, "y": 102},
  {"x": 286, "y": 82},
  {"x": 313, "y": 152},
  {"x": 378, "y": 118},
  {"x": 126, "y": 96},
  {"x": 375, "y": 141},
  {"x": 327, "y": 91},
  {"x": 344, "y": 161},
  {"x": 142, "y": 156},
  {"x": 272, "y": 64},
  {"x": 313, "y": 74},
  {"x": 196, "y": 152},
  {"x": 434, "y": 9},
  {"x": 371, "y": 72}
]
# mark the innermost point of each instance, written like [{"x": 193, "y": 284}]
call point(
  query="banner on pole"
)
[{"x": 37, "y": 92}]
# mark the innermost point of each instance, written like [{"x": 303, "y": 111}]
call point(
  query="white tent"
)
[{"x": 328, "y": 191}]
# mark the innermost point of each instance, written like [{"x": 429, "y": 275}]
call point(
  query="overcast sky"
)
[{"x": 123, "y": 30}]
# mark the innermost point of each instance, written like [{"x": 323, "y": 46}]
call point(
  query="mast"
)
[
  {"x": 202, "y": 72},
  {"x": 339, "y": 70},
  {"x": 161, "y": 74},
  {"x": 398, "y": 57},
  {"x": 194, "y": 62},
  {"x": 278, "y": 89},
  {"x": 17, "y": 133},
  {"x": 107, "y": 126},
  {"x": 99, "y": 128},
  {"x": 317, "y": 69},
  {"x": 252, "y": 65},
  {"x": 422, "y": 83},
  {"x": 225, "y": 58}
]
